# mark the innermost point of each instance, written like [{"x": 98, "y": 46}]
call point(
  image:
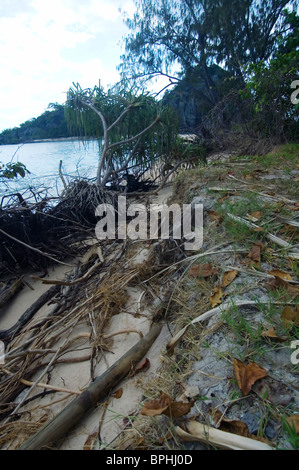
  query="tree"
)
[
  {"x": 269, "y": 87},
  {"x": 130, "y": 129},
  {"x": 197, "y": 33}
]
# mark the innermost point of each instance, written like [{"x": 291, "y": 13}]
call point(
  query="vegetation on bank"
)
[{"x": 50, "y": 125}]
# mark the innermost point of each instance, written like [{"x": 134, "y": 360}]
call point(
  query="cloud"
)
[{"x": 46, "y": 45}]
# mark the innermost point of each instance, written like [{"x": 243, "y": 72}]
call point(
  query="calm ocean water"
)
[{"x": 42, "y": 160}]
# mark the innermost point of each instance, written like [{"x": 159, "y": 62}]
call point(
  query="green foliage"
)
[
  {"x": 13, "y": 170},
  {"x": 269, "y": 87},
  {"x": 131, "y": 129},
  {"x": 188, "y": 33},
  {"x": 50, "y": 125}
]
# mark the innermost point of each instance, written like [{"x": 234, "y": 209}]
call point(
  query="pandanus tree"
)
[{"x": 131, "y": 130}]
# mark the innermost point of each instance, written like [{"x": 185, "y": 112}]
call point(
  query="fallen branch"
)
[
  {"x": 197, "y": 432},
  {"x": 176, "y": 339},
  {"x": 44, "y": 385},
  {"x": 270, "y": 236},
  {"x": 69, "y": 283},
  {"x": 11, "y": 291},
  {"x": 36, "y": 250},
  {"x": 61, "y": 424},
  {"x": 6, "y": 335}
]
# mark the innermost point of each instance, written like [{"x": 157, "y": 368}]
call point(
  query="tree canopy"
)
[
  {"x": 130, "y": 129},
  {"x": 183, "y": 34}
]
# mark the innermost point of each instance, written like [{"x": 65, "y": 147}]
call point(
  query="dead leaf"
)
[
  {"x": 216, "y": 297},
  {"x": 89, "y": 443},
  {"x": 278, "y": 283},
  {"x": 143, "y": 366},
  {"x": 118, "y": 393},
  {"x": 290, "y": 316},
  {"x": 290, "y": 230},
  {"x": 215, "y": 217},
  {"x": 271, "y": 334},
  {"x": 224, "y": 198},
  {"x": 234, "y": 426},
  {"x": 228, "y": 277},
  {"x": 247, "y": 375},
  {"x": 205, "y": 270},
  {"x": 256, "y": 214},
  {"x": 256, "y": 251},
  {"x": 281, "y": 274},
  {"x": 165, "y": 405},
  {"x": 293, "y": 421}
]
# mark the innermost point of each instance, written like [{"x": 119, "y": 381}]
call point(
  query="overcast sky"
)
[{"x": 45, "y": 45}]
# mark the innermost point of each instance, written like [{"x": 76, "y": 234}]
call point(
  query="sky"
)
[{"x": 46, "y": 45}]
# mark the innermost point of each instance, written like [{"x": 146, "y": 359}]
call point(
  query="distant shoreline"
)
[{"x": 58, "y": 139}]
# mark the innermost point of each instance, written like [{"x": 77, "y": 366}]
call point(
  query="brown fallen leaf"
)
[
  {"x": 215, "y": 217},
  {"x": 216, "y": 297},
  {"x": 281, "y": 274},
  {"x": 228, "y": 277},
  {"x": 290, "y": 316},
  {"x": 293, "y": 421},
  {"x": 256, "y": 252},
  {"x": 247, "y": 374},
  {"x": 256, "y": 215},
  {"x": 271, "y": 334},
  {"x": 290, "y": 230},
  {"x": 278, "y": 283},
  {"x": 143, "y": 366},
  {"x": 204, "y": 270},
  {"x": 118, "y": 393},
  {"x": 224, "y": 198},
  {"x": 89, "y": 443},
  {"x": 235, "y": 426},
  {"x": 230, "y": 425},
  {"x": 165, "y": 405}
]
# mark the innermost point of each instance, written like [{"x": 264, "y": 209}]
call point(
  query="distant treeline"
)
[{"x": 50, "y": 125}]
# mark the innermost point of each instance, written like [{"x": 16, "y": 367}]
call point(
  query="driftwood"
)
[
  {"x": 36, "y": 250},
  {"x": 10, "y": 291},
  {"x": 61, "y": 424},
  {"x": 6, "y": 335},
  {"x": 197, "y": 432},
  {"x": 69, "y": 283}
]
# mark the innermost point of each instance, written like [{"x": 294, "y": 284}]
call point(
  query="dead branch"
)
[
  {"x": 69, "y": 283},
  {"x": 61, "y": 424},
  {"x": 6, "y": 335},
  {"x": 10, "y": 291},
  {"x": 36, "y": 250},
  {"x": 197, "y": 432}
]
